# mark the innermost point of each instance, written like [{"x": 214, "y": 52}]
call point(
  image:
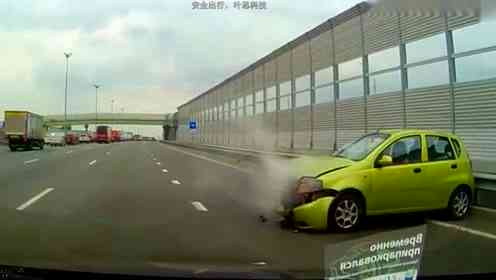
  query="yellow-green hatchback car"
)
[{"x": 385, "y": 172}]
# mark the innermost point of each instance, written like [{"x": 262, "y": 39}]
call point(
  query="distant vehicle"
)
[
  {"x": 93, "y": 136},
  {"x": 154, "y": 139},
  {"x": 116, "y": 136},
  {"x": 55, "y": 138},
  {"x": 24, "y": 130},
  {"x": 103, "y": 134},
  {"x": 127, "y": 136},
  {"x": 137, "y": 137},
  {"x": 72, "y": 138},
  {"x": 84, "y": 138}
]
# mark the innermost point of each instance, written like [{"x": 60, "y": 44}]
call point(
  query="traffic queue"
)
[{"x": 103, "y": 134}]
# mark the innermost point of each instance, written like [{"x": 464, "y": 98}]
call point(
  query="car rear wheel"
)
[
  {"x": 345, "y": 213},
  {"x": 459, "y": 204}
]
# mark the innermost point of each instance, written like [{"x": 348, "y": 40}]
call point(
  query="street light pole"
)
[
  {"x": 67, "y": 55},
  {"x": 96, "y": 99},
  {"x": 112, "y": 108}
]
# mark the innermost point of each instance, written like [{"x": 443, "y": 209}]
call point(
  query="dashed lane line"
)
[
  {"x": 34, "y": 199},
  {"x": 199, "y": 206},
  {"x": 92, "y": 162},
  {"x": 31, "y": 161}
]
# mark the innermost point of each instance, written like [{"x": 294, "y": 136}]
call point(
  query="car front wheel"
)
[
  {"x": 346, "y": 213},
  {"x": 459, "y": 204}
]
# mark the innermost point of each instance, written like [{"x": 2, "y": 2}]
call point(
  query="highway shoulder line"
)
[
  {"x": 34, "y": 199},
  {"x": 485, "y": 209},
  {"x": 464, "y": 229},
  {"x": 208, "y": 159}
]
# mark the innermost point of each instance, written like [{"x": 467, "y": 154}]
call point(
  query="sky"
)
[{"x": 149, "y": 56}]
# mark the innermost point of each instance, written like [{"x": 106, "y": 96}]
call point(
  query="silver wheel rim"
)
[
  {"x": 346, "y": 214},
  {"x": 461, "y": 203}
]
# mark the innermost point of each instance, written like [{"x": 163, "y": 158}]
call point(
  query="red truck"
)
[
  {"x": 103, "y": 134},
  {"x": 116, "y": 136}
]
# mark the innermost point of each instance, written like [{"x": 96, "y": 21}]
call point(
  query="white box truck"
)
[{"x": 24, "y": 130}]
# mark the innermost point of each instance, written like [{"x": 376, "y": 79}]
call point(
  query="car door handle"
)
[
  {"x": 417, "y": 170},
  {"x": 454, "y": 166}
]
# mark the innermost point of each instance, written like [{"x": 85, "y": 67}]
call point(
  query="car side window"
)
[
  {"x": 439, "y": 148},
  {"x": 405, "y": 150},
  {"x": 458, "y": 148}
]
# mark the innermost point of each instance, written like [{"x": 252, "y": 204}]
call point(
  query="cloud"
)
[{"x": 149, "y": 56}]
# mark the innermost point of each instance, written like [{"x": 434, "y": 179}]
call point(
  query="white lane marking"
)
[
  {"x": 107, "y": 153},
  {"x": 31, "y": 161},
  {"x": 158, "y": 163},
  {"x": 176, "y": 182},
  {"x": 209, "y": 159},
  {"x": 480, "y": 208},
  {"x": 68, "y": 152},
  {"x": 199, "y": 206},
  {"x": 34, "y": 199},
  {"x": 259, "y": 263},
  {"x": 165, "y": 170},
  {"x": 464, "y": 229},
  {"x": 154, "y": 159},
  {"x": 92, "y": 162}
]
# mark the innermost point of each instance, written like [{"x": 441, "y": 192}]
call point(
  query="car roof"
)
[{"x": 420, "y": 131}]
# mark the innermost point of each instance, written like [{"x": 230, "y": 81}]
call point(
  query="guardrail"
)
[
  {"x": 296, "y": 153},
  {"x": 485, "y": 183}
]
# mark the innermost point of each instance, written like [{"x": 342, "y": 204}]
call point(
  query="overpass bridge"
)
[{"x": 110, "y": 118}]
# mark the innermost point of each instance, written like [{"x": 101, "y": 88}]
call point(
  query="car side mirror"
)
[{"x": 385, "y": 160}]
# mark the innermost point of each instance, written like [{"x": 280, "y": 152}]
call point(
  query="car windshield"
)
[{"x": 362, "y": 147}]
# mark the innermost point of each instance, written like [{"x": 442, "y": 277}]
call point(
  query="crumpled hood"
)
[{"x": 316, "y": 165}]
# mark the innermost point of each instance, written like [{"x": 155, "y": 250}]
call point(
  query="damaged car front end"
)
[{"x": 304, "y": 205}]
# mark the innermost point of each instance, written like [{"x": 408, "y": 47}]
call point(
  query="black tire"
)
[
  {"x": 459, "y": 203},
  {"x": 340, "y": 221},
  {"x": 12, "y": 148}
]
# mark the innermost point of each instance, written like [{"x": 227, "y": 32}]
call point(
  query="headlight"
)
[
  {"x": 308, "y": 184},
  {"x": 309, "y": 189},
  {"x": 306, "y": 187}
]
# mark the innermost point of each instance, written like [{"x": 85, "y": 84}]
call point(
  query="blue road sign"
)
[
  {"x": 2, "y": 124},
  {"x": 192, "y": 124}
]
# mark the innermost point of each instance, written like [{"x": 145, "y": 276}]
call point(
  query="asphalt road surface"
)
[{"x": 149, "y": 208}]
